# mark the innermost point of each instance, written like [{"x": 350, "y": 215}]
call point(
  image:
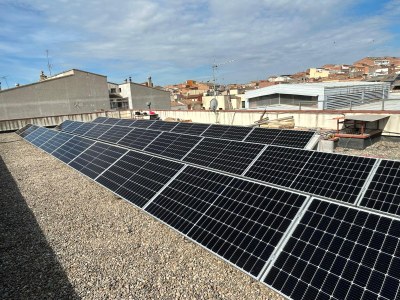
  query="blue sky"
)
[{"x": 176, "y": 40}]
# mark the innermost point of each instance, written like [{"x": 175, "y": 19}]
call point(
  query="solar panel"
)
[
  {"x": 142, "y": 123},
  {"x": 82, "y": 129},
  {"x": 163, "y": 125},
  {"x": 111, "y": 121},
  {"x": 55, "y": 142},
  {"x": 293, "y": 138},
  {"x": 35, "y": 134},
  {"x": 71, "y": 149},
  {"x": 97, "y": 131},
  {"x": 337, "y": 252},
  {"x": 137, "y": 177},
  {"x": 100, "y": 120},
  {"x": 125, "y": 122},
  {"x": 28, "y": 129},
  {"x": 172, "y": 145},
  {"x": 383, "y": 192},
  {"x": 95, "y": 159},
  {"x": 215, "y": 131},
  {"x": 139, "y": 138},
  {"x": 236, "y": 133},
  {"x": 263, "y": 135},
  {"x": 279, "y": 165},
  {"x": 334, "y": 176},
  {"x": 224, "y": 155},
  {"x": 44, "y": 137},
  {"x": 115, "y": 133},
  {"x": 64, "y": 125},
  {"x": 71, "y": 126},
  {"x": 238, "y": 220},
  {"x": 190, "y": 128}
]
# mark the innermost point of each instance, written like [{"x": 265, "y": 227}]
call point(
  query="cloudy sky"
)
[{"x": 176, "y": 40}]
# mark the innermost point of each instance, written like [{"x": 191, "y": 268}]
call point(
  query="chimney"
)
[
  {"x": 149, "y": 83},
  {"x": 126, "y": 80},
  {"x": 130, "y": 79}
]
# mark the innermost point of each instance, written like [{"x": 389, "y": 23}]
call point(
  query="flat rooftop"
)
[{"x": 67, "y": 237}]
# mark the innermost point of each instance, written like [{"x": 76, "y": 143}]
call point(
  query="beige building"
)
[
  {"x": 130, "y": 95},
  {"x": 225, "y": 102},
  {"x": 316, "y": 73},
  {"x": 70, "y": 92}
]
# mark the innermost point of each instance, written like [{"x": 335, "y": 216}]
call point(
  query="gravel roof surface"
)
[
  {"x": 381, "y": 149},
  {"x": 63, "y": 236}
]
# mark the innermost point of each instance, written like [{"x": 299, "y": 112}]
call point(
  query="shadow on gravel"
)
[{"x": 29, "y": 268}]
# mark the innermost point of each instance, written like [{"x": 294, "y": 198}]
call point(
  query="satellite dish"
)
[{"x": 213, "y": 104}]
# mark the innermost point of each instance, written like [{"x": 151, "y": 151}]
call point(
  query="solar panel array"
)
[
  {"x": 302, "y": 247},
  {"x": 282, "y": 137}
]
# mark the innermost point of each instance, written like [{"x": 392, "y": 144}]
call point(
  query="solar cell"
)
[
  {"x": 172, "y": 145},
  {"x": 55, "y": 142},
  {"x": 28, "y": 129},
  {"x": 190, "y": 128},
  {"x": 63, "y": 126},
  {"x": 383, "y": 192},
  {"x": 236, "y": 133},
  {"x": 162, "y": 125},
  {"x": 115, "y": 133},
  {"x": 82, "y": 129},
  {"x": 142, "y": 123},
  {"x": 22, "y": 129},
  {"x": 224, "y": 155},
  {"x": 263, "y": 135},
  {"x": 137, "y": 177},
  {"x": 71, "y": 149},
  {"x": 95, "y": 159},
  {"x": 111, "y": 121},
  {"x": 334, "y": 176},
  {"x": 215, "y": 131},
  {"x": 35, "y": 134},
  {"x": 279, "y": 165},
  {"x": 293, "y": 138},
  {"x": 97, "y": 131},
  {"x": 44, "y": 137},
  {"x": 100, "y": 120},
  {"x": 337, "y": 252},
  {"x": 238, "y": 220},
  {"x": 139, "y": 138},
  {"x": 72, "y": 125},
  {"x": 125, "y": 122}
]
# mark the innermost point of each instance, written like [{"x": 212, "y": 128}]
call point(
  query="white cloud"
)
[{"x": 157, "y": 37}]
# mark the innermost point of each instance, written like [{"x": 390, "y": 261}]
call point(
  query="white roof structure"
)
[
  {"x": 328, "y": 95},
  {"x": 305, "y": 89}
]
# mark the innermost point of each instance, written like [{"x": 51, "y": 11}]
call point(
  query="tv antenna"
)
[
  {"x": 5, "y": 79},
  {"x": 148, "y": 105},
  {"x": 214, "y": 70},
  {"x": 48, "y": 61}
]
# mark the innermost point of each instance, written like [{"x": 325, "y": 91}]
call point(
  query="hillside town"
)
[{"x": 195, "y": 95}]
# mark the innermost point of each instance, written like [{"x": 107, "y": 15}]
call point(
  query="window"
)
[
  {"x": 243, "y": 104},
  {"x": 113, "y": 91}
]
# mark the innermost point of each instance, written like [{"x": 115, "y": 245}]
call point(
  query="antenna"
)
[
  {"x": 48, "y": 61},
  {"x": 5, "y": 78}
]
